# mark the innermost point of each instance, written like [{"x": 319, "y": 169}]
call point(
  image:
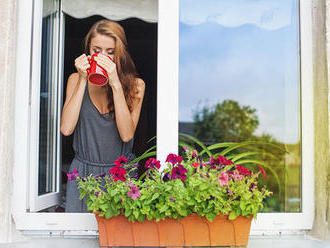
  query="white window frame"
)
[
  {"x": 52, "y": 198},
  {"x": 167, "y": 125}
]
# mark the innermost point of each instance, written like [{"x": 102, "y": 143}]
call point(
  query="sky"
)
[{"x": 245, "y": 50}]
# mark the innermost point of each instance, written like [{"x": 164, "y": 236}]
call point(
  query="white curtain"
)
[{"x": 146, "y": 10}]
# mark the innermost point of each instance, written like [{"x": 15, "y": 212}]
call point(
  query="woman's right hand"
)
[{"x": 82, "y": 64}]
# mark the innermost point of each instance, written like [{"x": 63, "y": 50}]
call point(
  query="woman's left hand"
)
[{"x": 110, "y": 66}]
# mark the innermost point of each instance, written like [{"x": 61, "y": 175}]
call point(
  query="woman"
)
[{"x": 103, "y": 118}]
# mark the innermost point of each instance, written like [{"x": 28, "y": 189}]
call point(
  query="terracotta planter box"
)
[{"x": 190, "y": 231}]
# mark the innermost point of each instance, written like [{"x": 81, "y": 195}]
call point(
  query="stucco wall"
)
[
  {"x": 7, "y": 83},
  {"x": 321, "y": 117}
]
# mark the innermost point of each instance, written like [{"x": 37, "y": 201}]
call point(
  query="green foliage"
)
[
  {"x": 229, "y": 122},
  {"x": 226, "y": 121},
  {"x": 268, "y": 153},
  {"x": 199, "y": 192}
]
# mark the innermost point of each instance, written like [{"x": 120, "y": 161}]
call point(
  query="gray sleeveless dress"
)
[{"x": 96, "y": 143}]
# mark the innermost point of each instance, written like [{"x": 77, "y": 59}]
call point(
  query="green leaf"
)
[
  {"x": 108, "y": 214},
  {"x": 203, "y": 186},
  {"x": 113, "y": 192},
  {"x": 217, "y": 146},
  {"x": 233, "y": 215},
  {"x": 163, "y": 208},
  {"x": 242, "y": 155},
  {"x": 140, "y": 218},
  {"x": 136, "y": 213},
  {"x": 183, "y": 144},
  {"x": 155, "y": 196},
  {"x": 151, "y": 139},
  {"x": 144, "y": 155},
  {"x": 128, "y": 212},
  {"x": 197, "y": 141},
  {"x": 211, "y": 216},
  {"x": 246, "y": 143}
]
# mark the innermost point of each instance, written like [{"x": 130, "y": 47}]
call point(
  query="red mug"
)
[{"x": 96, "y": 74}]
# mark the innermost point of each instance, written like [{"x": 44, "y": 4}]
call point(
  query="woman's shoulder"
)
[
  {"x": 139, "y": 82},
  {"x": 139, "y": 87},
  {"x": 72, "y": 80},
  {"x": 73, "y": 77}
]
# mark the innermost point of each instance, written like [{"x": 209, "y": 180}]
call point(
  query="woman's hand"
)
[
  {"x": 82, "y": 64},
  {"x": 107, "y": 64}
]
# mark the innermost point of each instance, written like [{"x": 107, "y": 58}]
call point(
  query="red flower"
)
[
  {"x": 120, "y": 160},
  {"x": 195, "y": 164},
  {"x": 262, "y": 170},
  {"x": 152, "y": 163},
  {"x": 242, "y": 170},
  {"x": 118, "y": 173},
  {"x": 179, "y": 172},
  {"x": 221, "y": 160},
  {"x": 173, "y": 158}
]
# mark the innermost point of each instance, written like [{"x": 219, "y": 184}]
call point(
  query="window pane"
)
[
  {"x": 239, "y": 81},
  {"x": 48, "y": 102}
]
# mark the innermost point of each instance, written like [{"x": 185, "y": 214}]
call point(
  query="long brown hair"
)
[{"x": 125, "y": 66}]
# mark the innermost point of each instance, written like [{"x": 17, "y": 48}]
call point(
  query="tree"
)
[
  {"x": 230, "y": 122},
  {"x": 225, "y": 122}
]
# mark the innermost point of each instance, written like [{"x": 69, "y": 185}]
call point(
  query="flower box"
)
[
  {"x": 200, "y": 201},
  {"x": 192, "y": 230}
]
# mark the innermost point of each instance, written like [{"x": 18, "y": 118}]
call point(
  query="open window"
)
[
  {"x": 42, "y": 154},
  {"x": 60, "y": 33},
  {"x": 45, "y": 107}
]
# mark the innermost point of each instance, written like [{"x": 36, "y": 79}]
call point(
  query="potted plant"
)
[{"x": 188, "y": 201}]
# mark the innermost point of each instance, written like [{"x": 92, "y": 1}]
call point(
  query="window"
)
[
  {"x": 168, "y": 116},
  {"x": 239, "y": 81}
]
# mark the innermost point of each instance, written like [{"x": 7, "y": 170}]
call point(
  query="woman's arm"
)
[
  {"x": 126, "y": 121},
  {"x": 74, "y": 94},
  {"x": 71, "y": 108}
]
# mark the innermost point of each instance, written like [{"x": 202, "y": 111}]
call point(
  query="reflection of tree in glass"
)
[
  {"x": 230, "y": 122},
  {"x": 227, "y": 121}
]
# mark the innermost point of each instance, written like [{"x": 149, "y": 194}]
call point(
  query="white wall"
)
[{"x": 7, "y": 87}]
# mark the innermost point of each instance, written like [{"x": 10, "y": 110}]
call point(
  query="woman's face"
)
[{"x": 102, "y": 44}]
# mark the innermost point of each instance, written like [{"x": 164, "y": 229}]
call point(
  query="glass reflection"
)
[
  {"x": 48, "y": 101},
  {"x": 239, "y": 81}
]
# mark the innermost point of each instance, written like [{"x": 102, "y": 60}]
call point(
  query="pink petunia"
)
[
  {"x": 194, "y": 154},
  {"x": 223, "y": 179},
  {"x": 134, "y": 193},
  {"x": 236, "y": 176},
  {"x": 73, "y": 175},
  {"x": 130, "y": 184}
]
